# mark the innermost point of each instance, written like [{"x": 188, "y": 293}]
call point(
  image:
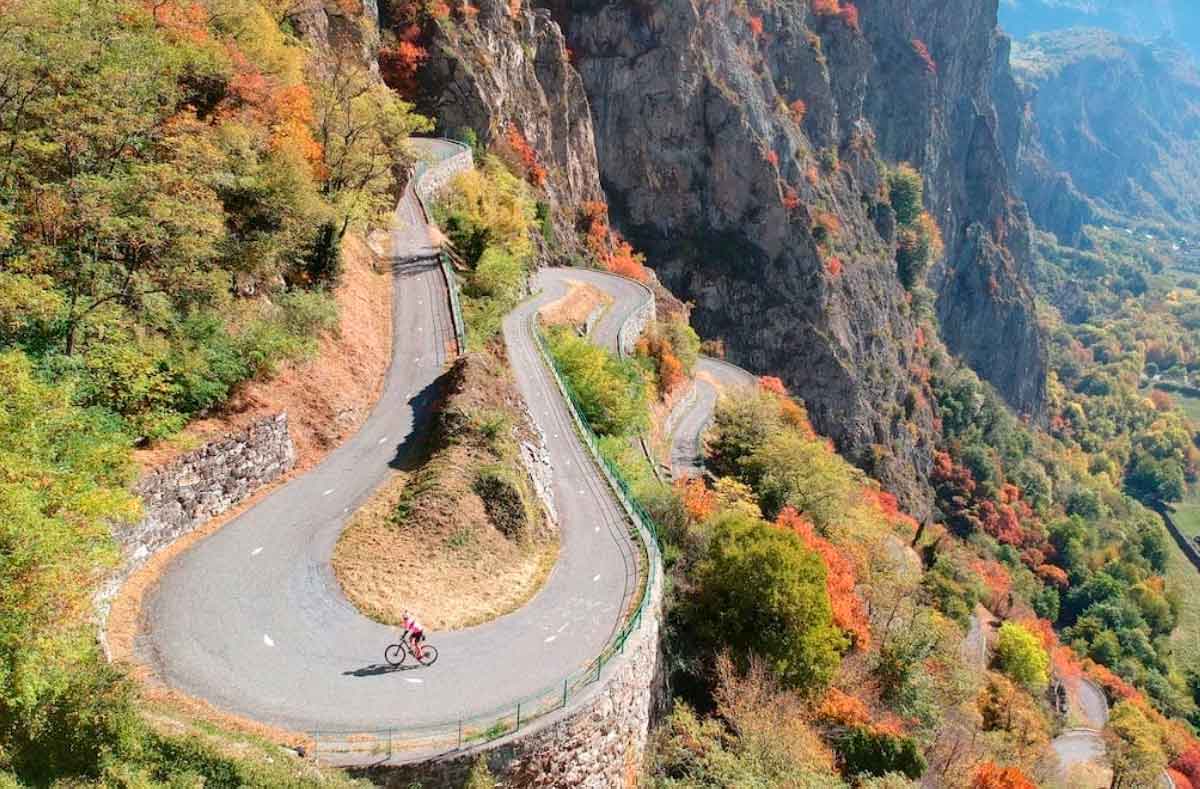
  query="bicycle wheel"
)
[
  {"x": 395, "y": 654},
  {"x": 428, "y": 655}
]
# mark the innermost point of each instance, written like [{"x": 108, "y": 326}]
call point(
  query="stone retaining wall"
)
[
  {"x": 1186, "y": 545},
  {"x": 635, "y": 324},
  {"x": 437, "y": 177},
  {"x": 597, "y": 742},
  {"x": 197, "y": 486}
]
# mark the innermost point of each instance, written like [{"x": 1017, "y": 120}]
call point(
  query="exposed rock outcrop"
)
[
  {"x": 339, "y": 30},
  {"x": 502, "y": 70},
  {"x": 712, "y": 167}
]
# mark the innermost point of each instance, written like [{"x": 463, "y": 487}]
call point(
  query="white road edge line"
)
[
  {"x": 267, "y": 640},
  {"x": 256, "y": 551}
]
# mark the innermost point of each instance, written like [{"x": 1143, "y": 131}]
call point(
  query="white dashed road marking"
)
[
  {"x": 413, "y": 680},
  {"x": 267, "y": 640},
  {"x": 382, "y": 440},
  {"x": 326, "y": 493},
  {"x": 550, "y": 638},
  {"x": 597, "y": 578},
  {"x": 256, "y": 551}
]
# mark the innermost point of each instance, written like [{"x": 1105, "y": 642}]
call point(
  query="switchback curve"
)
[{"x": 252, "y": 619}]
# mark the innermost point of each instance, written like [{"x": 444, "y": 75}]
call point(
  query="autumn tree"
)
[
  {"x": 1021, "y": 655},
  {"x": 1134, "y": 747},
  {"x": 363, "y": 129}
]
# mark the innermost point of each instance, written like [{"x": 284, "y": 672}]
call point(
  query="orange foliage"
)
[
  {"x": 843, "y": 709},
  {"x": 698, "y": 499},
  {"x": 992, "y": 776},
  {"x": 889, "y": 507},
  {"x": 771, "y": 158},
  {"x": 833, "y": 266},
  {"x": 919, "y": 338},
  {"x": 1052, "y": 575},
  {"x": 293, "y": 124},
  {"x": 1161, "y": 400},
  {"x": 772, "y": 384},
  {"x": 514, "y": 7},
  {"x": 611, "y": 251},
  {"x": 923, "y": 53},
  {"x": 524, "y": 151},
  {"x": 829, "y": 222},
  {"x": 667, "y": 364},
  {"x": 997, "y": 580},
  {"x": 438, "y": 9},
  {"x": 798, "y": 109},
  {"x": 847, "y": 12},
  {"x": 848, "y": 612},
  {"x": 184, "y": 20},
  {"x": 756, "y": 26}
]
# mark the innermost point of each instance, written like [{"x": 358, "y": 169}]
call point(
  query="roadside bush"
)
[
  {"x": 488, "y": 207},
  {"x": 611, "y": 391},
  {"x": 1021, "y": 655}
]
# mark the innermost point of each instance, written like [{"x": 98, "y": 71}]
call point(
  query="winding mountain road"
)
[
  {"x": 713, "y": 377},
  {"x": 252, "y": 619}
]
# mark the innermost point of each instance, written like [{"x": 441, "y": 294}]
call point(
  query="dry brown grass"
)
[
  {"x": 574, "y": 308},
  {"x": 443, "y": 557}
]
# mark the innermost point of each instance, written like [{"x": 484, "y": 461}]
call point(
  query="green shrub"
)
[
  {"x": 1021, "y": 655},
  {"x": 760, "y": 591},
  {"x": 612, "y": 392},
  {"x": 866, "y": 752}
]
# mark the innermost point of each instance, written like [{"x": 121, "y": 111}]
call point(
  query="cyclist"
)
[{"x": 415, "y": 633}]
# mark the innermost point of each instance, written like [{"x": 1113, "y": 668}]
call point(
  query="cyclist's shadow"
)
[{"x": 379, "y": 669}]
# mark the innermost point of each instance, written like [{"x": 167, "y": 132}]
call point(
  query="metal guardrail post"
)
[
  {"x": 564, "y": 700},
  {"x": 460, "y": 732},
  {"x": 518, "y": 717}
]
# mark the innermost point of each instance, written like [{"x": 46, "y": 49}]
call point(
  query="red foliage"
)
[
  {"x": 399, "y": 65},
  {"x": 992, "y": 776},
  {"x": 919, "y": 338},
  {"x": 756, "y": 26},
  {"x": 833, "y": 266},
  {"x": 1181, "y": 781},
  {"x": 771, "y": 158},
  {"x": 923, "y": 53},
  {"x": 848, "y": 611},
  {"x": 524, "y": 151},
  {"x": 798, "y": 109},
  {"x": 997, "y": 580},
  {"x": 1187, "y": 767}
]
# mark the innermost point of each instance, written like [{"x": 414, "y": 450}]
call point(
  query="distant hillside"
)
[
  {"x": 1178, "y": 19},
  {"x": 1113, "y": 127}
]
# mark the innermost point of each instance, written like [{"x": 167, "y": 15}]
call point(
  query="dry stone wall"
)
[
  {"x": 437, "y": 177},
  {"x": 197, "y": 486},
  {"x": 597, "y": 742}
]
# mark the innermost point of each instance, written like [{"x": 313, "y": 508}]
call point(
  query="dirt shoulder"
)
[{"x": 464, "y": 539}]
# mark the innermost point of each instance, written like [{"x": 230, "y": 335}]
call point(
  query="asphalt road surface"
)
[
  {"x": 252, "y": 619},
  {"x": 687, "y": 439}
]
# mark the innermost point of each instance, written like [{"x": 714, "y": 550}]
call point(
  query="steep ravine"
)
[{"x": 710, "y": 168}]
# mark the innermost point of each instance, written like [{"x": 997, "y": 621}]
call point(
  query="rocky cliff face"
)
[
  {"x": 334, "y": 30},
  {"x": 711, "y": 166},
  {"x": 1111, "y": 129},
  {"x": 501, "y": 71}
]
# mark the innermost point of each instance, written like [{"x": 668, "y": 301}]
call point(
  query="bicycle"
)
[{"x": 396, "y": 654}]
